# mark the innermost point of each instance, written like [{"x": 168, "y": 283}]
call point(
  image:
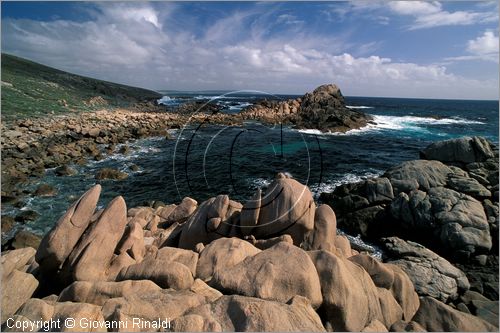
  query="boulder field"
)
[{"x": 274, "y": 263}]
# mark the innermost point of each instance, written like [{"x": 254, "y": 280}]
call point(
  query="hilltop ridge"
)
[{"x": 30, "y": 89}]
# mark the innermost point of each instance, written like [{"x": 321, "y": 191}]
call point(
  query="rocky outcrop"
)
[
  {"x": 436, "y": 316},
  {"x": 431, "y": 274},
  {"x": 447, "y": 207},
  {"x": 148, "y": 264},
  {"x": 322, "y": 109}
]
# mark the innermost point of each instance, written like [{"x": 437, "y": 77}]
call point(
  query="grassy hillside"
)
[{"x": 30, "y": 89}]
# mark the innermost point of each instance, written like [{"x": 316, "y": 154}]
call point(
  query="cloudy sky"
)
[{"x": 395, "y": 49}]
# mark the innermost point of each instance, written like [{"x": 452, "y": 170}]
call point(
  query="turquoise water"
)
[{"x": 202, "y": 162}]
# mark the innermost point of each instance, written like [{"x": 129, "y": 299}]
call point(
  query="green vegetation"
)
[{"x": 30, "y": 89}]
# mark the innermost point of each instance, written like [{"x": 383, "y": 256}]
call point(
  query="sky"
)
[{"x": 368, "y": 48}]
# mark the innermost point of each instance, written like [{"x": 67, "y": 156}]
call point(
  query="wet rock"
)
[
  {"x": 108, "y": 173},
  {"x": 7, "y": 223},
  {"x": 24, "y": 238},
  {"x": 45, "y": 190},
  {"x": 65, "y": 170},
  {"x": 26, "y": 215}
]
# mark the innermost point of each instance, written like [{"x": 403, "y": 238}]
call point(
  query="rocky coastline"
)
[{"x": 272, "y": 263}]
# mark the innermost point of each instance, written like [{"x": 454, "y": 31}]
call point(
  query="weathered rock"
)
[
  {"x": 403, "y": 326},
  {"x": 468, "y": 186},
  {"x": 166, "y": 275},
  {"x": 133, "y": 242},
  {"x": 24, "y": 238},
  {"x": 17, "y": 288},
  {"x": 195, "y": 229},
  {"x": 195, "y": 323},
  {"x": 325, "y": 230},
  {"x": 343, "y": 245},
  {"x": 382, "y": 276},
  {"x": 81, "y": 313},
  {"x": 403, "y": 291},
  {"x": 16, "y": 259},
  {"x": 350, "y": 299},
  {"x": 92, "y": 256},
  {"x": 58, "y": 243},
  {"x": 287, "y": 207},
  {"x": 250, "y": 213},
  {"x": 263, "y": 244},
  {"x": 223, "y": 254},
  {"x": 428, "y": 174},
  {"x": 248, "y": 314},
  {"x": 375, "y": 326},
  {"x": 391, "y": 310},
  {"x": 98, "y": 292},
  {"x": 439, "y": 317},
  {"x": 462, "y": 150},
  {"x": 324, "y": 109},
  {"x": 431, "y": 274},
  {"x": 454, "y": 220},
  {"x": 153, "y": 305},
  {"x": 183, "y": 211},
  {"x": 277, "y": 273},
  {"x": 201, "y": 288},
  {"x": 186, "y": 257}
]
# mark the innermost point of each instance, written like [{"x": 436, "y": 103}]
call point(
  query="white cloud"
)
[
  {"x": 484, "y": 47},
  {"x": 431, "y": 14},
  {"x": 146, "y": 50}
]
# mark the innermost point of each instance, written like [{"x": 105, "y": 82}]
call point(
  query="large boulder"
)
[
  {"x": 436, "y": 316},
  {"x": 17, "y": 288},
  {"x": 186, "y": 257},
  {"x": 223, "y": 254},
  {"x": 16, "y": 259},
  {"x": 428, "y": 174},
  {"x": 153, "y": 305},
  {"x": 215, "y": 218},
  {"x": 325, "y": 230},
  {"x": 381, "y": 275},
  {"x": 98, "y": 292},
  {"x": 286, "y": 208},
  {"x": 431, "y": 274},
  {"x": 325, "y": 109},
  {"x": 455, "y": 221},
  {"x": 91, "y": 258},
  {"x": 278, "y": 273},
  {"x": 247, "y": 314},
  {"x": 350, "y": 299},
  {"x": 58, "y": 243},
  {"x": 461, "y": 150},
  {"x": 403, "y": 291},
  {"x": 165, "y": 274}
]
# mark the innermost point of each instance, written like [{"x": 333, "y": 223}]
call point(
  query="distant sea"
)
[{"x": 205, "y": 161}]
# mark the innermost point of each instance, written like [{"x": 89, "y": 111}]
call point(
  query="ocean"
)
[{"x": 203, "y": 161}]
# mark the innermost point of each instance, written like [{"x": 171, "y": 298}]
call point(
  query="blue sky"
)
[{"x": 396, "y": 49}]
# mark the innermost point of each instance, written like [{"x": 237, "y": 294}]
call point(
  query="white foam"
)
[
  {"x": 166, "y": 100},
  {"x": 396, "y": 123},
  {"x": 348, "y": 178},
  {"x": 359, "y": 107}
]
